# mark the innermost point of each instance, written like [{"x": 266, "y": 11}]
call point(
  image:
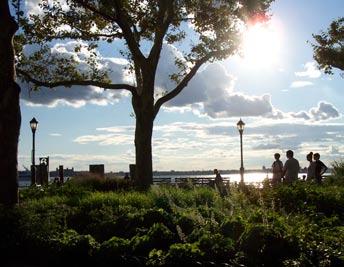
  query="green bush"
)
[
  {"x": 265, "y": 246},
  {"x": 96, "y": 183},
  {"x": 233, "y": 228},
  {"x": 184, "y": 255},
  {"x": 158, "y": 236},
  {"x": 301, "y": 224},
  {"x": 114, "y": 251},
  {"x": 216, "y": 247}
]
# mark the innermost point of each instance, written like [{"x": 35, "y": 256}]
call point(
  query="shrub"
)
[
  {"x": 264, "y": 246},
  {"x": 216, "y": 247},
  {"x": 158, "y": 236},
  {"x": 156, "y": 257},
  {"x": 184, "y": 254},
  {"x": 233, "y": 228},
  {"x": 114, "y": 251},
  {"x": 94, "y": 182}
]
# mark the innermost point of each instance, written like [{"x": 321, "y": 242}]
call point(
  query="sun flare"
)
[{"x": 261, "y": 45}]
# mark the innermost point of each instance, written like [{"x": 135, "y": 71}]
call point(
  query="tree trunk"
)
[
  {"x": 10, "y": 117},
  {"x": 144, "y": 111},
  {"x": 143, "y": 149}
]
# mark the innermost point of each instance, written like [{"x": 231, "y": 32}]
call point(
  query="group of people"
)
[{"x": 289, "y": 172}]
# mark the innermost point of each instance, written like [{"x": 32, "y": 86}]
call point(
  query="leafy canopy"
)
[
  {"x": 329, "y": 47},
  {"x": 205, "y": 29}
]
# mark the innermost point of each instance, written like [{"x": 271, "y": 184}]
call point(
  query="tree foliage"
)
[
  {"x": 206, "y": 30},
  {"x": 329, "y": 47}
]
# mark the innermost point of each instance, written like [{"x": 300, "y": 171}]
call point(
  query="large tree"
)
[
  {"x": 9, "y": 109},
  {"x": 329, "y": 47},
  {"x": 207, "y": 30}
]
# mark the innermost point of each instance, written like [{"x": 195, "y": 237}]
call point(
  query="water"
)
[{"x": 251, "y": 177}]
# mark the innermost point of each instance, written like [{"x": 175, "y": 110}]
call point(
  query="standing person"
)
[
  {"x": 291, "y": 168},
  {"x": 219, "y": 183},
  {"x": 218, "y": 178},
  {"x": 320, "y": 168},
  {"x": 277, "y": 170},
  {"x": 311, "y": 167}
]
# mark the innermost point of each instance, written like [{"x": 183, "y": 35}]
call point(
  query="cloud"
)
[
  {"x": 211, "y": 92},
  {"x": 121, "y": 135},
  {"x": 55, "y": 134},
  {"x": 300, "y": 84},
  {"x": 311, "y": 71},
  {"x": 77, "y": 96},
  {"x": 324, "y": 111},
  {"x": 216, "y": 144},
  {"x": 234, "y": 105},
  {"x": 333, "y": 150}
]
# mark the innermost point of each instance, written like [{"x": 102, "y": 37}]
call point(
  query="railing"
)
[{"x": 184, "y": 180}]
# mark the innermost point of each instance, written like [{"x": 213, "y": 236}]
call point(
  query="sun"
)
[{"x": 261, "y": 45}]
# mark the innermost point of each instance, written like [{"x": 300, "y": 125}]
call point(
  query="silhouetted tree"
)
[
  {"x": 9, "y": 109},
  {"x": 329, "y": 47},
  {"x": 144, "y": 26}
]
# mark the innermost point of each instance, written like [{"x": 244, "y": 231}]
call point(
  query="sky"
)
[{"x": 275, "y": 87}]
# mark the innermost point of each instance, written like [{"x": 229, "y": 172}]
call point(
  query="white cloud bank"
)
[
  {"x": 310, "y": 71},
  {"x": 300, "y": 84},
  {"x": 78, "y": 96},
  {"x": 324, "y": 111},
  {"x": 210, "y": 93}
]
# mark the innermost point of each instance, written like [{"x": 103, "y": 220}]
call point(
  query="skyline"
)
[{"x": 286, "y": 104}]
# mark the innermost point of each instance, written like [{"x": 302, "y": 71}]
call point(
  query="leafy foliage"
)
[
  {"x": 329, "y": 47},
  {"x": 300, "y": 225}
]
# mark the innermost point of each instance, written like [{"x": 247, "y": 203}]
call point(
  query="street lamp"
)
[
  {"x": 241, "y": 126},
  {"x": 33, "y": 125}
]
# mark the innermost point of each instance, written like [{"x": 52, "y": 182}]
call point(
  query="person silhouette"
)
[
  {"x": 218, "y": 177},
  {"x": 277, "y": 170},
  {"x": 291, "y": 168},
  {"x": 320, "y": 168},
  {"x": 311, "y": 167},
  {"x": 219, "y": 183}
]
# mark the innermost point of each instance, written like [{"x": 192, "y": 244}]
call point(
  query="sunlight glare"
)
[{"x": 261, "y": 45}]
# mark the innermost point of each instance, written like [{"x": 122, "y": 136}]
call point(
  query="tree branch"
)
[
  {"x": 122, "y": 21},
  {"x": 85, "y": 5},
  {"x": 69, "y": 83},
  {"x": 189, "y": 76},
  {"x": 164, "y": 6}
]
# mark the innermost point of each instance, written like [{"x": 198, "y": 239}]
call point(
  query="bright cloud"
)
[
  {"x": 324, "y": 111},
  {"x": 210, "y": 145},
  {"x": 300, "y": 84},
  {"x": 55, "y": 134},
  {"x": 77, "y": 96},
  {"x": 211, "y": 92},
  {"x": 310, "y": 71}
]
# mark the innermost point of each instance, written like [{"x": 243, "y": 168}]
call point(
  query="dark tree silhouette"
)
[
  {"x": 329, "y": 47},
  {"x": 10, "y": 117},
  {"x": 144, "y": 26}
]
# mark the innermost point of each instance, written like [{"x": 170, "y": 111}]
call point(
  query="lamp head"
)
[
  {"x": 33, "y": 124},
  {"x": 240, "y": 126}
]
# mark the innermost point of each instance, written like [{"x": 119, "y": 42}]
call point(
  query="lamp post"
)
[
  {"x": 33, "y": 125},
  {"x": 241, "y": 126}
]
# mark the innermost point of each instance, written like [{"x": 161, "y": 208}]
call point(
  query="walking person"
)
[
  {"x": 291, "y": 168},
  {"x": 311, "y": 167},
  {"x": 277, "y": 170},
  {"x": 320, "y": 168}
]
